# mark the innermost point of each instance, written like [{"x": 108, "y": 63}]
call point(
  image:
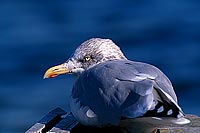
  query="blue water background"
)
[{"x": 37, "y": 34}]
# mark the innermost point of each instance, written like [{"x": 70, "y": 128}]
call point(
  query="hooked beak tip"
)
[{"x": 55, "y": 71}]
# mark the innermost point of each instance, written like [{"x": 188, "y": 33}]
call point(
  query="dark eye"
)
[{"x": 87, "y": 58}]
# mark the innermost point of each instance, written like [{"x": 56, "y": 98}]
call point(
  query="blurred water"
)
[{"x": 35, "y": 35}]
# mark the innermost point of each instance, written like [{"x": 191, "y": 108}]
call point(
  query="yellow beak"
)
[{"x": 55, "y": 71}]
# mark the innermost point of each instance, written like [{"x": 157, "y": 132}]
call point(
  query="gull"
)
[{"x": 110, "y": 88}]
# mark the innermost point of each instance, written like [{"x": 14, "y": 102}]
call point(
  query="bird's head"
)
[{"x": 87, "y": 55}]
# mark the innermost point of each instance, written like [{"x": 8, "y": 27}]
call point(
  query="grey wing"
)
[
  {"x": 151, "y": 72},
  {"x": 152, "y": 101},
  {"x": 164, "y": 98},
  {"x": 123, "y": 89}
]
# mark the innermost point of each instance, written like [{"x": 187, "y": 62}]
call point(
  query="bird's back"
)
[{"x": 111, "y": 90}]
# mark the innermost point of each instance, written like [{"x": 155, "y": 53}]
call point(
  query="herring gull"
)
[{"x": 109, "y": 87}]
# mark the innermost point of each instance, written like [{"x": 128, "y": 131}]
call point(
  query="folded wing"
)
[{"x": 109, "y": 91}]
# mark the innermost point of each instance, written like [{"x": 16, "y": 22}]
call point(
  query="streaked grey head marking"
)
[{"x": 95, "y": 51}]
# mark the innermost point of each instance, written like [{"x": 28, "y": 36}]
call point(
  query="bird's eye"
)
[{"x": 87, "y": 58}]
